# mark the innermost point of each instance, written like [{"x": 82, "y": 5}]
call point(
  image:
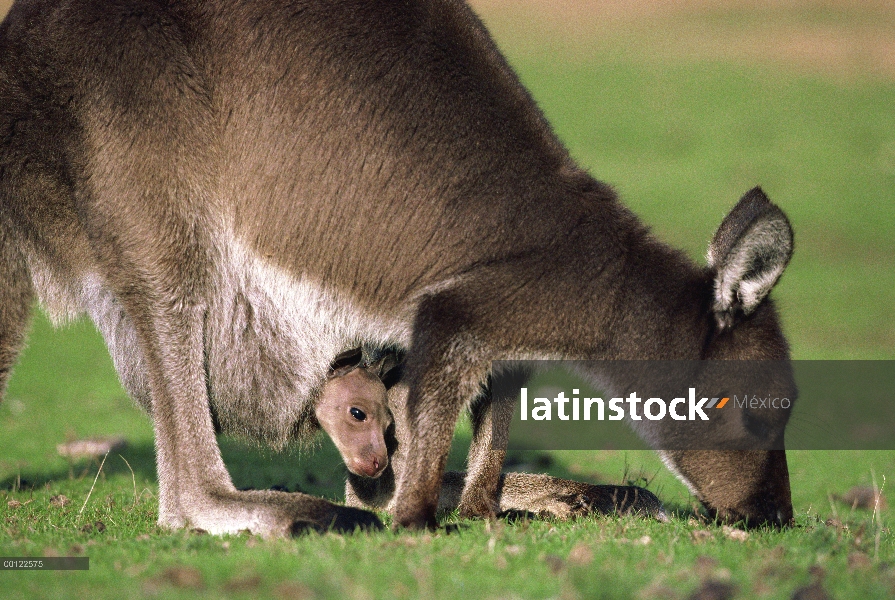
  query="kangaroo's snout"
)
[{"x": 738, "y": 486}]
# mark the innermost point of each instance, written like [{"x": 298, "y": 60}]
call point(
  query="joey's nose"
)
[{"x": 371, "y": 468}]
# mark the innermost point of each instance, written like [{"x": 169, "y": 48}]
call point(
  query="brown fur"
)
[{"x": 237, "y": 191}]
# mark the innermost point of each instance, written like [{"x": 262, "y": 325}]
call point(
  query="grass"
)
[{"x": 681, "y": 139}]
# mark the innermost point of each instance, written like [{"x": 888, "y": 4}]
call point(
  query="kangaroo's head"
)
[
  {"x": 352, "y": 409},
  {"x": 747, "y": 256}
]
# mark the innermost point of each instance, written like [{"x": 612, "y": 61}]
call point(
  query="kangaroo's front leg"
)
[
  {"x": 486, "y": 455},
  {"x": 432, "y": 416},
  {"x": 439, "y": 386}
]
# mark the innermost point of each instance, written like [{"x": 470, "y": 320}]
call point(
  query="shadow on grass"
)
[
  {"x": 140, "y": 457},
  {"x": 317, "y": 470}
]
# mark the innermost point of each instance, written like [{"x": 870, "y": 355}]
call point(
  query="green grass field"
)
[{"x": 682, "y": 114}]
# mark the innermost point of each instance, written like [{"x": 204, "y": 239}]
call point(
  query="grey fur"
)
[{"x": 749, "y": 252}]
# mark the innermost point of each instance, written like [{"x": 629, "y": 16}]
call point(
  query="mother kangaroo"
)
[{"x": 236, "y": 191}]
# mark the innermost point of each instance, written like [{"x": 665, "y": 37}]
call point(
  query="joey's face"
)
[{"x": 352, "y": 410}]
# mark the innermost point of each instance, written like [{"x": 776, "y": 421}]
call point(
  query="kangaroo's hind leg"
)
[{"x": 16, "y": 296}]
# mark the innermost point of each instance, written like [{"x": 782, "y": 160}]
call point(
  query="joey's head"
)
[
  {"x": 746, "y": 257},
  {"x": 352, "y": 410}
]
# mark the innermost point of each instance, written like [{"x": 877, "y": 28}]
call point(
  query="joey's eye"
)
[{"x": 358, "y": 414}]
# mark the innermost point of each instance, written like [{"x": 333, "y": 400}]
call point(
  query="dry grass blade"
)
[{"x": 87, "y": 499}]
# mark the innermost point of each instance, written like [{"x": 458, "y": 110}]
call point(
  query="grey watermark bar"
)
[
  {"x": 695, "y": 405},
  {"x": 45, "y": 563}
]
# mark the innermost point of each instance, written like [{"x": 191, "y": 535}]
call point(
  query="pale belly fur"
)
[{"x": 269, "y": 339}]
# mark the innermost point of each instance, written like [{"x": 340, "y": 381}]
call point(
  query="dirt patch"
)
[{"x": 845, "y": 37}]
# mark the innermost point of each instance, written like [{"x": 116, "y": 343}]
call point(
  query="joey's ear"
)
[
  {"x": 344, "y": 363},
  {"x": 387, "y": 365},
  {"x": 748, "y": 254}
]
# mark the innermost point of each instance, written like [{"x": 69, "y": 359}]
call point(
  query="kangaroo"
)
[
  {"x": 352, "y": 409},
  {"x": 211, "y": 181}
]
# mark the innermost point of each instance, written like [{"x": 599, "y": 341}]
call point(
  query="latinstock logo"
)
[
  {"x": 670, "y": 405},
  {"x": 653, "y": 409}
]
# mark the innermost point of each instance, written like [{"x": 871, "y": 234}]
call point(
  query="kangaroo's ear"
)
[
  {"x": 387, "y": 364},
  {"x": 748, "y": 254},
  {"x": 345, "y": 363}
]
